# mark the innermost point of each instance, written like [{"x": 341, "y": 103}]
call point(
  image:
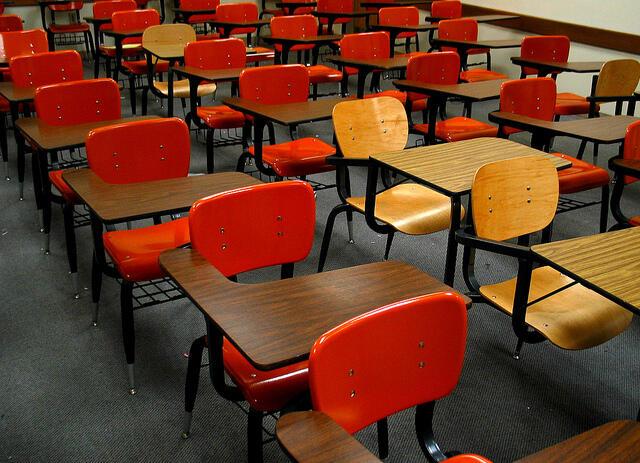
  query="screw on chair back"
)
[
  {"x": 529, "y": 97},
  {"x": 23, "y": 43},
  {"x": 514, "y": 197},
  {"x": 140, "y": 151},
  {"x": 618, "y": 78},
  {"x": 387, "y": 360},
  {"x": 169, "y": 34},
  {"x": 462, "y": 29},
  {"x": 544, "y": 48},
  {"x": 10, "y": 23},
  {"x": 134, "y": 20},
  {"x": 399, "y": 16},
  {"x": 449, "y": 9},
  {"x": 46, "y": 68},
  {"x": 631, "y": 148},
  {"x": 277, "y": 84},
  {"x": 216, "y": 54},
  {"x": 78, "y": 102},
  {"x": 278, "y": 231},
  {"x": 369, "y": 126},
  {"x": 433, "y": 68}
]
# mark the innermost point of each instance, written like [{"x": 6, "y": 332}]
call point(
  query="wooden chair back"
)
[
  {"x": 370, "y": 126},
  {"x": 169, "y": 34},
  {"x": 514, "y": 197},
  {"x": 618, "y": 78}
]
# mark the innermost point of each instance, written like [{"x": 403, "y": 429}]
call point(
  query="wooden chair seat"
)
[
  {"x": 575, "y": 318},
  {"x": 128, "y": 49},
  {"x": 410, "y": 208},
  {"x": 181, "y": 88}
]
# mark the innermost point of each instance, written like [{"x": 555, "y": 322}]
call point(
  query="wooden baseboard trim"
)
[{"x": 593, "y": 36}]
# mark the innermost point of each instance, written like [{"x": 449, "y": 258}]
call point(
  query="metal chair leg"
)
[
  {"x": 254, "y": 436},
  {"x": 192, "y": 382},
  {"x": 209, "y": 150},
  {"x": 388, "y": 245},
  {"x": 604, "y": 209},
  {"x": 128, "y": 331},
  {"x": 383, "y": 438},
  {"x": 70, "y": 239},
  {"x": 516, "y": 354},
  {"x": 424, "y": 431},
  {"x": 328, "y": 230},
  {"x": 96, "y": 287}
]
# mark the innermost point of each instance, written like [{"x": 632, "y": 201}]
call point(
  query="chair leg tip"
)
[
  {"x": 132, "y": 391},
  {"x": 352, "y": 242},
  {"x": 94, "y": 324},
  {"x": 185, "y": 434}
]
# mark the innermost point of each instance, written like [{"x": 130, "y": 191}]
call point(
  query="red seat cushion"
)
[
  {"x": 68, "y": 28},
  {"x": 323, "y": 74},
  {"x": 581, "y": 176},
  {"x": 221, "y": 117},
  {"x": 635, "y": 221},
  {"x": 139, "y": 67},
  {"x": 135, "y": 252},
  {"x": 480, "y": 75},
  {"x": 478, "y": 51},
  {"x": 467, "y": 458},
  {"x": 397, "y": 94},
  {"x": 298, "y": 157},
  {"x": 265, "y": 390},
  {"x": 459, "y": 128},
  {"x": 210, "y": 36},
  {"x": 55, "y": 177},
  {"x": 569, "y": 104}
]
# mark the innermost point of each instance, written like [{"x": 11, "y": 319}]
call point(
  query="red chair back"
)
[
  {"x": 78, "y": 102},
  {"x": 106, "y": 9},
  {"x": 529, "y": 97},
  {"x": 433, "y": 68},
  {"x": 300, "y": 25},
  {"x": 342, "y": 6},
  {"x": 199, "y": 4},
  {"x": 10, "y": 23},
  {"x": 544, "y": 48},
  {"x": 449, "y": 9},
  {"x": 463, "y": 29},
  {"x": 632, "y": 147},
  {"x": 140, "y": 151},
  {"x": 278, "y": 231},
  {"x": 46, "y": 68},
  {"x": 216, "y": 54},
  {"x": 389, "y": 359},
  {"x": 71, "y": 6},
  {"x": 134, "y": 20},
  {"x": 364, "y": 45},
  {"x": 399, "y": 16},
  {"x": 238, "y": 12},
  {"x": 23, "y": 43},
  {"x": 292, "y": 84}
]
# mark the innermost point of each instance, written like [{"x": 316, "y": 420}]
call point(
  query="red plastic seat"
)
[
  {"x": 446, "y": 9},
  {"x": 237, "y": 12},
  {"x": 568, "y": 104},
  {"x": 463, "y": 128},
  {"x": 200, "y": 5},
  {"x": 481, "y": 75},
  {"x": 253, "y": 241},
  {"x": 536, "y": 98},
  {"x": 10, "y": 23},
  {"x": 68, "y": 195},
  {"x": 205, "y": 55},
  {"x": 69, "y": 28},
  {"x": 300, "y": 157},
  {"x": 421, "y": 340},
  {"x": 132, "y": 152},
  {"x": 465, "y": 29}
]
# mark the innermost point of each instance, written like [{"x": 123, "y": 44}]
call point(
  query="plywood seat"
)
[
  {"x": 574, "y": 318},
  {"x": 410, "y": 208},
  {"x": 128, "y": 49},
  {"x": 181, "y": 88},
  {"x": 480, "y": 75}
]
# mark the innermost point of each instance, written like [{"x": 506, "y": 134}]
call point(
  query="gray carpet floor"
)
[{"x": 63, "y": 382}]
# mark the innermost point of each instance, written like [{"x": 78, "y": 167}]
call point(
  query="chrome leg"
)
[
  {"x": 96, "y": 309},
  {"x": 186, "y": 425},
  {"x": 21, "y": 190},
  {"x": 6, "y": 171},
  {"x": 76, "y": 285},
  {"x": 350, "y": 228},
  {"x": 46, "y": 241},
  {"x": 132, "y": 378}
]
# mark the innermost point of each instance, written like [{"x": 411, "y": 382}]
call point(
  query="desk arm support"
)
[{"x": 508, "y": 249}]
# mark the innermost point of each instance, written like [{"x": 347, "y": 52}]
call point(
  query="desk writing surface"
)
[
  {"x": 387, "y": 64},
  {"x": 123, "y": 34},
  {"x": 276, "y": 323},
  {"x": 122, "y": 202},
  {"x": 212, "y": 75},
  {"x": 303, "y": 40},
  {"x": 473, "y": 91},
  {"x": 567, "y": 66},
  {"x": 289, "y": 113},
  {"x": 52, "y": 137},
  {"x": 609, "y": 261},
  {"x": 16, "y": 94},
  {"x": 505, "y": 43},
  {"x": 450, "y": 167}
]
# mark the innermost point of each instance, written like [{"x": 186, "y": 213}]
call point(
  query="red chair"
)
[
  {"x": 103, "y": 10},
  {"x": 301, "y": 26},
  {"x": 10, "y": 23},
  {"x": 15, "y": 44},
  {"x": 64, "y": 104},
  {"x": 466, "y": 29},
  {"x": 402, "y": 16},
  {"x": 199, "y": 18},
  {"x": 137, "y": 152},
  {"x": 536, "y": 98},
  {"x": 206, "y": 55},
  {"x": 443, "y": 68},
  {"x": 252, "y": 243},
  {"x": 446, "y": 9},
  {"x": 136, "y": 68},
  {"x": 354, "y": 369},
  {"x": 626, "y": 171},
  {"x": 297, "y": 158},
  {"x": 238, "y": 12},
  {"x": 342, "y": 6},
  {"x": 78, "y": 27},
  {"x": 369, "y": 45}
]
